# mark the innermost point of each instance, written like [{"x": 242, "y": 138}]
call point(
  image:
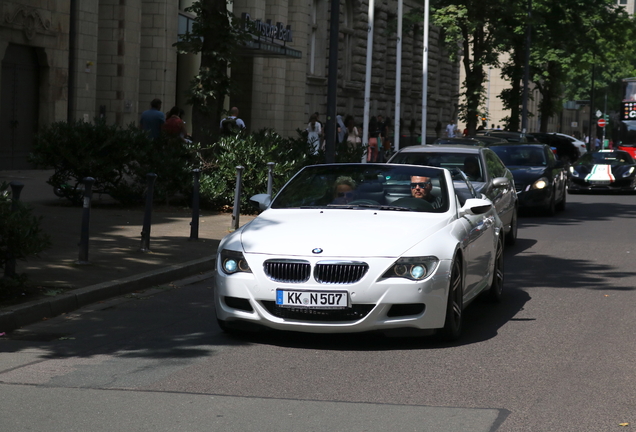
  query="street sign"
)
[{"x": 601, "y": 122}]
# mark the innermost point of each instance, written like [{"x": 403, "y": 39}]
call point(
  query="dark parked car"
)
[
  {"x": 605, "y": 170},
  {"x": 491, "y": 177},
  {"x": 540, "y": 179}
]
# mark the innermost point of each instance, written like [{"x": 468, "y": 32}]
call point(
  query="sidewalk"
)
[{"x": 116, "y": 264}]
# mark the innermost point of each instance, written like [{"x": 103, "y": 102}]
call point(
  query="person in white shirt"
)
[{"x": 451, "y": 128}]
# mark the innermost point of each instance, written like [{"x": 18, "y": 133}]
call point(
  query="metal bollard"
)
[
  {"x": 86, "y": 217},
  {"x": 145, "y": 233},
  {"x": 237, "y": 199},
  {"x": 9, "y": 266},
  {"x": 270, "y": 177},
  {"x": 194, "y": 225}
]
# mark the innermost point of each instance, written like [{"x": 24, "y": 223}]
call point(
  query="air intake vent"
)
[
  {"x": 288, "y": 271},
  {"x": 340, "y": 272}
]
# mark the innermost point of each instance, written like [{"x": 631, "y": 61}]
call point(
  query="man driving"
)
[{"x": 421, "y": 188}]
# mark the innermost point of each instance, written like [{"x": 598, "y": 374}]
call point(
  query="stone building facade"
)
[{"x": 78, "y": 60}]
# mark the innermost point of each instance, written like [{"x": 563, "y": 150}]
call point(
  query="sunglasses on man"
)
[{"x": 421, "y": 185}]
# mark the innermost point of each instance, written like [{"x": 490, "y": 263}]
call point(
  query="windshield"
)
[
  {"x": 520, "y": 155},
  {"x": 364, "y": 186},
  {"x": 469, "y": 163},
  {"x": 605, "y": 158}
]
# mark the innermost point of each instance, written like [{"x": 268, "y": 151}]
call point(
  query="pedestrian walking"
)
[
  {"x": 451, "y": 128},
  {"x": 374, "y": 140},
  {"x": 314, "y": 132},
  {"x": 153, "y": 119},
  {"x": 174, "y": 125},
  {"x": 232, "y": 123},
  {"x": 353, "y": 135}
]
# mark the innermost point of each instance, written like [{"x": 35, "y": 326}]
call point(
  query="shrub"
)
[
  {"x": 253, "y": 152},
  {"x": 117, "y": 158},
  {"x": 20, "y": 235}
]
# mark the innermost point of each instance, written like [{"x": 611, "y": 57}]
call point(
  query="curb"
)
[{"x": 20, "y": 315}]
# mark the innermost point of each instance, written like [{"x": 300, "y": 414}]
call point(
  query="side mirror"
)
[
  {"x": 476, "y": 206},
  {"x": 261, "y": 201},
  {"x": 501, "y": 182}
]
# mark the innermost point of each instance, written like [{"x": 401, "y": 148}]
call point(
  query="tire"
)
[
  {"x": 58, "y": 192},
  {"x": 561, "y": 205},
  {"x": 511, "y": 236},
  {"x": 454, "y": 307},
  {"x": 496, "y": 288}
]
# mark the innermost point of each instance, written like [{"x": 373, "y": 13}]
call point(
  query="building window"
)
[
  {"x": 347, "y": 30},
  {"x": 185, "y": 24},
  {"x": 312, "y": 38},
  {"x": 316, "y": 44},
  {"x": 622, "y": 2}
]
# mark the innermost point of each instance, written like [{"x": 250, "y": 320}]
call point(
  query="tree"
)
[
  {"x": 511, "y": 35},
  {"x": 570, "y": 37},
  {"x": 472, "y": 25},
  {"x": 217, "y": 35}
]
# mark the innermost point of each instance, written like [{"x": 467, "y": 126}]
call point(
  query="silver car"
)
[{"x": 483, "y": 168}]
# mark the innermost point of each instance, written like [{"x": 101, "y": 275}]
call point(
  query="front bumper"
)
[
  {"x": 376, "y": 303},
  {"x": 621, "y": 185},
  {"x": 534, "y": 198}
]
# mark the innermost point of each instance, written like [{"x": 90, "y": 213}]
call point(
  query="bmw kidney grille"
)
[{"x": 325, "y": 272}]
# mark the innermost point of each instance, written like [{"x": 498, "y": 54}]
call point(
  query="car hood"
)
[
  {"x": 524, "y": 174},
  {"x": 601, "y": 171},
  {"x": 341, "y": 233}
]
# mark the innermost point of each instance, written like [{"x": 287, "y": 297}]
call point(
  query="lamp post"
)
[{"x": 425, "y": 72}]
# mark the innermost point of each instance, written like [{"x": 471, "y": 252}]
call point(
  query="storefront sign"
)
[
  {"x": 629, "y": 111},
  {"x": 266, "y": 29}
]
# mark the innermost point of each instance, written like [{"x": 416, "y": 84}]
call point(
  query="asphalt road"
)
[{"x": 557, "y": 355}]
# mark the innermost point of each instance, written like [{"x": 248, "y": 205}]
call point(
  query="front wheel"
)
[{"x": 454, "y": 307}]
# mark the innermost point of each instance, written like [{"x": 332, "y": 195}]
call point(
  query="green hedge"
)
[
  {"x": 253, "y": 152},
  {"x": 20, "y": 237},
  {"x": 117, "y": 158}
]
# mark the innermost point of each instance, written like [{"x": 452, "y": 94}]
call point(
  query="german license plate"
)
[{"x": 312, "y": 299}]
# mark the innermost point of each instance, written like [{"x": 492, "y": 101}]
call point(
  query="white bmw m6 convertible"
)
[{"x": 358, "y": 247}]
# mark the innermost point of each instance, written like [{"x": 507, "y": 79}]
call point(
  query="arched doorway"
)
[{"x": 19, "y": 106}]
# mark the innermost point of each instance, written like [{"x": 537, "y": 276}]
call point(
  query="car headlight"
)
[
  {"x": 233, "y": 262},
  {"x": 540, "y": 184},
  {"x": 415, "y": 268},
  {"x": 573, "y": 172},
  {"x": 628, "y": 172}
]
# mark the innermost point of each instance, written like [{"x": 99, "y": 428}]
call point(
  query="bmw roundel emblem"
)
[{"x": 317, "y": 250}]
